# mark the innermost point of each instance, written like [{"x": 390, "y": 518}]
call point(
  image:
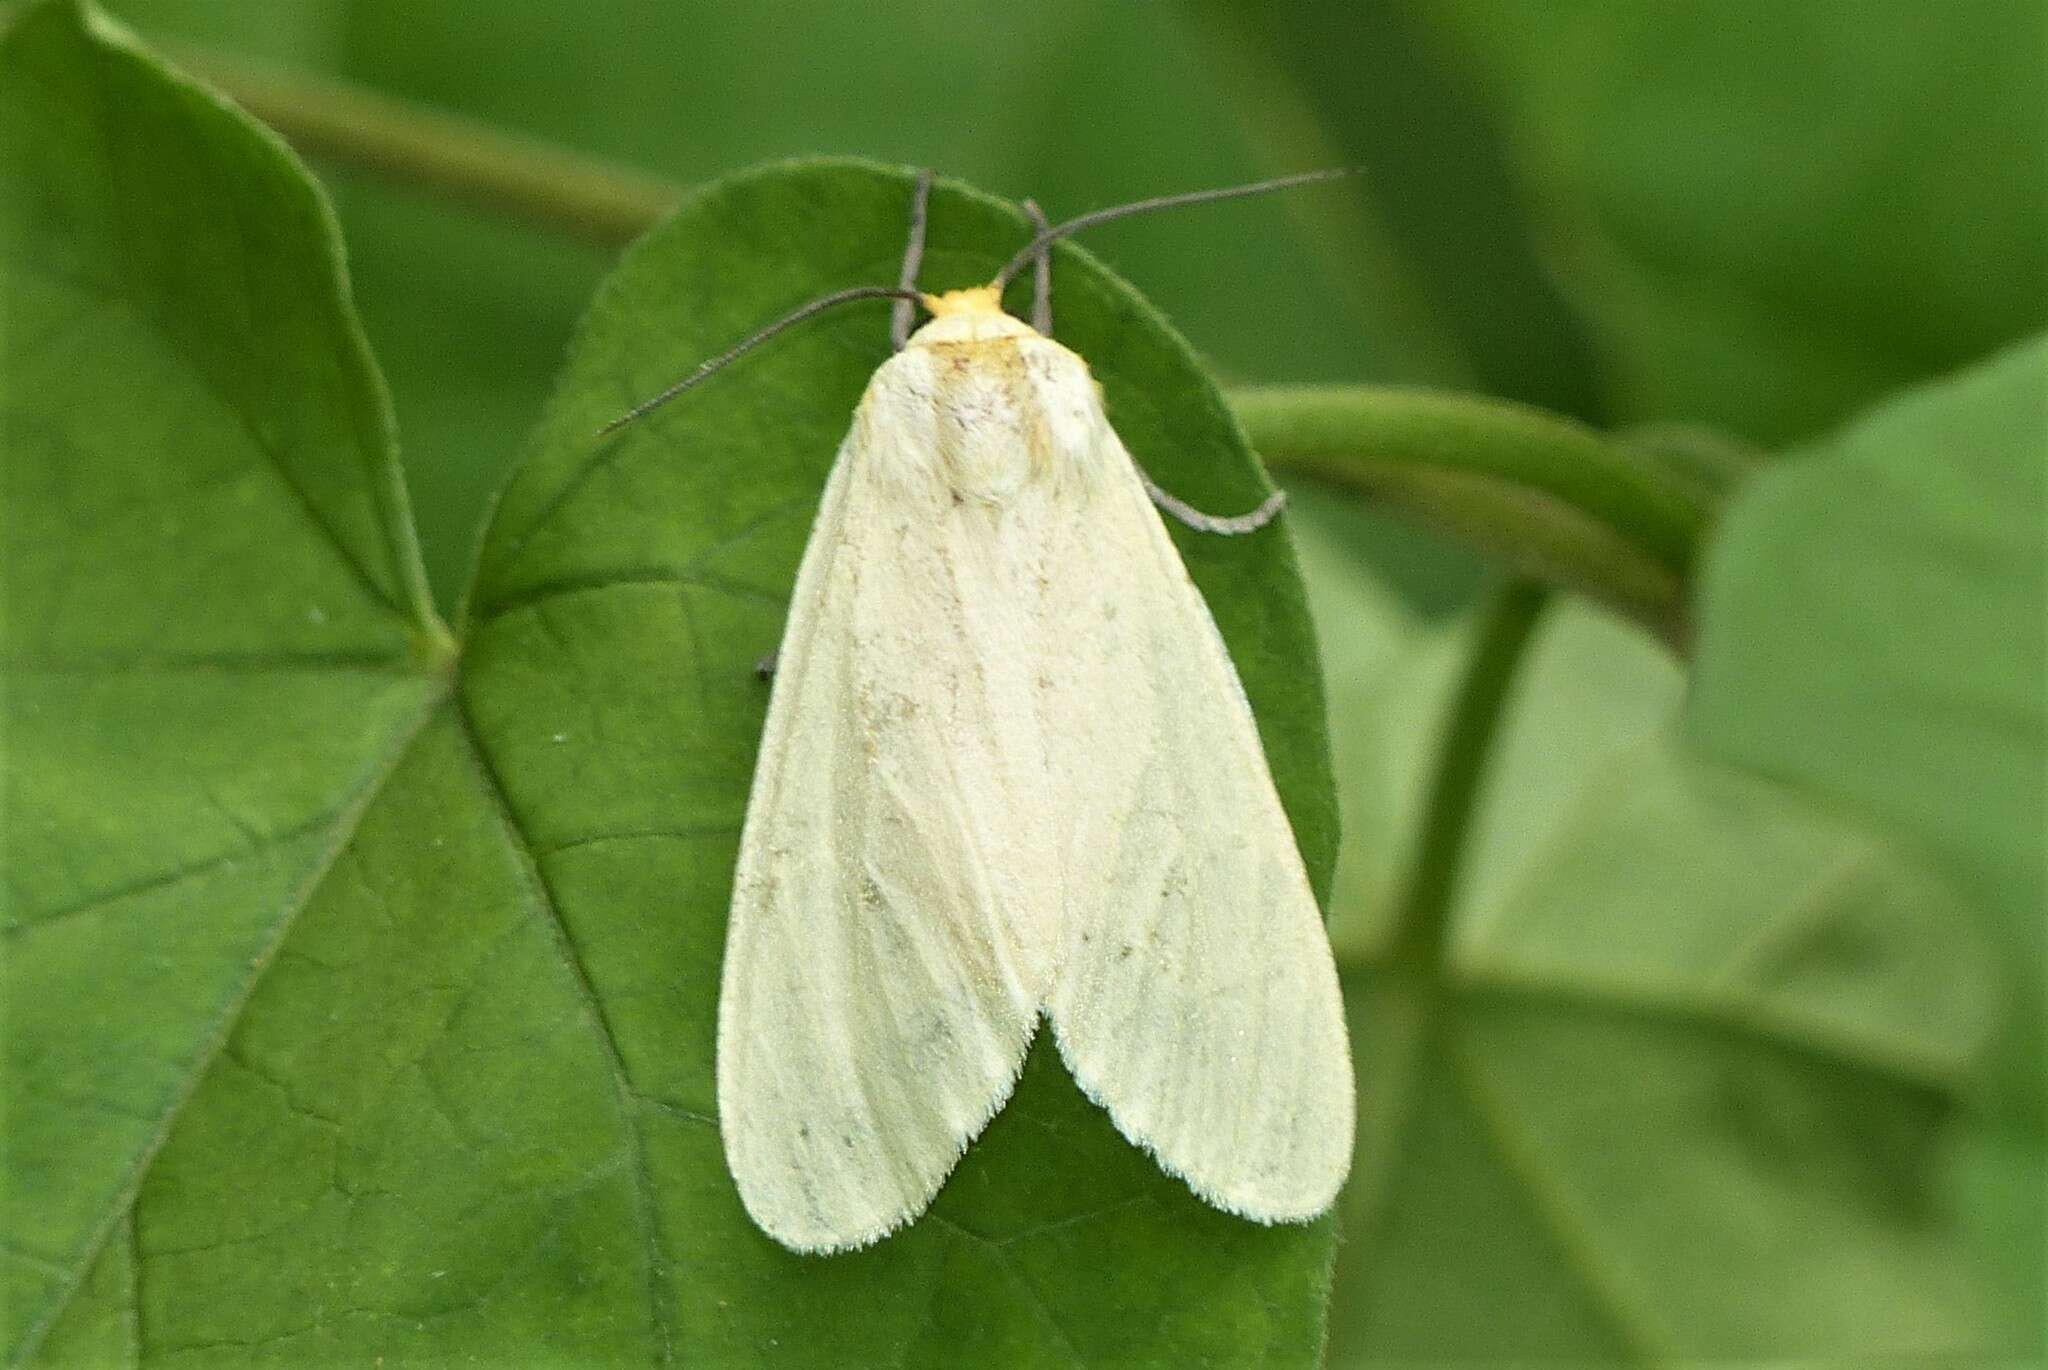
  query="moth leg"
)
[
  {"x": 905, "y": 312},
  {"x": 1041, "y": 273},
  {"x": 1224, "y": 525},
  {"x": 765, "y": 667}
]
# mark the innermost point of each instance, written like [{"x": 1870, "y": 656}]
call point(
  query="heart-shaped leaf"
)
[
  {"x": 355, "y": 1018},
  {"x": 216, "y": 640}
]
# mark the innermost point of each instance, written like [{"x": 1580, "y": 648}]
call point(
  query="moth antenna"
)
[
  {"x": 905, "y": 312},
  {"x": 733, "y": 354},
  {"x": 1041, "y": 275},
  {"x": 1047, "y": 237}
]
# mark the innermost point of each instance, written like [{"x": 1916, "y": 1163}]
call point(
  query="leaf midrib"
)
[{"x": 629, "y": 1099}]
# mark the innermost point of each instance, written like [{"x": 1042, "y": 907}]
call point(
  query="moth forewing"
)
[
  {"x": 862, "y": 1041},
  {"x": 1008, "y": 771}
]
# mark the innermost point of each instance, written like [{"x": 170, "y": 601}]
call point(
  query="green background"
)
[{"x": 1728, "y": 1042}]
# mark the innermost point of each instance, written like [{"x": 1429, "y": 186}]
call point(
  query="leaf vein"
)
[
  {"x": 572, "y": 960},
  {"x": 1037, "y": 1300},
  {"x": 153, "y": 884},
  {"x": 346, "y": 821},
  {"x": 693, "y": 571},
  {"x": 225, "y": 663}
]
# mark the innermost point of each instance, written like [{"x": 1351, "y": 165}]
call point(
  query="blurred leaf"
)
[
  {"x": 1389, "y": 670},
  {"x": 1776, "y": 213},
  {"x": 1680, "y": 1104},
  {"x": 1591, "y": 690},
  {"x": 1391, "y": 97},
  {"x": 349, "y": 1020},
  {"x": 1872, "y": 629},
  {"x": 1677, "y": 1087}
]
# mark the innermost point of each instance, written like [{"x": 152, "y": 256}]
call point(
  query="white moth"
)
[{"x": 1009, "y": 774}]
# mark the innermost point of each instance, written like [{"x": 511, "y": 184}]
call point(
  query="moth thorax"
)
[{"x": 989, "y": 431}]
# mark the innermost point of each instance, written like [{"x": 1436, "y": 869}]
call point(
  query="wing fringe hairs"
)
[{"x": 1009, "y": 773}]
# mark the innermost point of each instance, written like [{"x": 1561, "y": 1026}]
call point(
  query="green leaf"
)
[
  {"x": 1774, "y": 214},
  {"x": 1677, "y": 1086},
  {"x": 350, "y": 1018},
  {"x": 1872, "y": 629},
  {"x": 216, "y": 639}
]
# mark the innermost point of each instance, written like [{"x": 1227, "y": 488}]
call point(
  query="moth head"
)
[
  {"x": 968, "y": 316},
  {"x": 980, "y": 299}
]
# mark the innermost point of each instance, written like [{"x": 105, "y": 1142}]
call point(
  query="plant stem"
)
[
  {"x": 1548, "y": 496},
  {"x": 450, "y": 156},
  {"x": 1418, "y": 944}
]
